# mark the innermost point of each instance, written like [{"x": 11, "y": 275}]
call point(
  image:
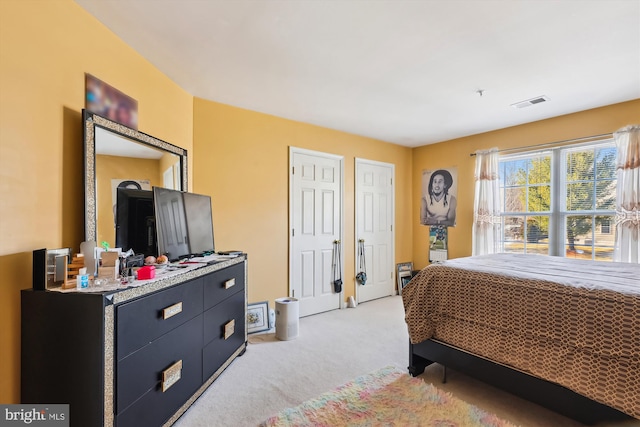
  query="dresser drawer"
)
[
  {"x": 222, "y": 284},
  {"x": 217, "y": 325},
  {"x": 177, "y": 354},
  {"x": 141, "y": 321}
]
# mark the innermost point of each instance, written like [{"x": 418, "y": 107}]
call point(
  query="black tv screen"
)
[
  {"x": 171, "y": 223},
  {"x": 135, "y": 221},
  {"x": 199, "y": 223}
]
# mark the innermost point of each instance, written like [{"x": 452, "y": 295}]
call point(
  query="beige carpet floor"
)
[{"x": 331, "y": 349}]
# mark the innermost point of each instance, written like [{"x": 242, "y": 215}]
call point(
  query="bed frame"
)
[{"x": 544, "y": 393}]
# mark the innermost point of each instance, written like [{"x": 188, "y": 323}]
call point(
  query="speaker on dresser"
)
[{"x": 39, "y": 269}]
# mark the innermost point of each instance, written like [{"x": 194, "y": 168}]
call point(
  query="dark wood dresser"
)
[{"x": 136, "y": 357}]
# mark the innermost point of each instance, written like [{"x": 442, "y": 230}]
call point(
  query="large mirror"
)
[{"x": 118, "y": 156}]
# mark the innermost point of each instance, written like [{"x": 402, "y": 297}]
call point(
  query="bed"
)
[{"x": 561, "y": 332}]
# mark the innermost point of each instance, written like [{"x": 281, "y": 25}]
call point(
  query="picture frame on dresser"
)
[
  {"x": 258, "y": 317},
  {"x": 57, "y": 267}
]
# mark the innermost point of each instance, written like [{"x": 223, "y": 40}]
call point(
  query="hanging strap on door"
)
[
  {"x": 336, "y": 266},
  {"x": 361, "y": 277}
]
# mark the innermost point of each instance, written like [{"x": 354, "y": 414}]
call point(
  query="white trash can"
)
[{"x": 287, "y": 318}]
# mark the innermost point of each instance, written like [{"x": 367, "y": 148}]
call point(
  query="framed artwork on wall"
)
[
  {"x": 438, "y": 203},
  {"x": 109, "y": 102}
]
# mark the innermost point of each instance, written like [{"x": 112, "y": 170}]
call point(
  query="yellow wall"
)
[
  {"x": 456, "y": 153},
  {"x": 241, "y": 159},
  {"x": 45, "y": 49}
]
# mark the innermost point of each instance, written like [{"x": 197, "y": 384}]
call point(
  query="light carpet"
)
[{"x": 386, "y": 397}]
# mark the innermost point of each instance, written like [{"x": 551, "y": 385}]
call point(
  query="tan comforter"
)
[{"x": 572, "y": 322}]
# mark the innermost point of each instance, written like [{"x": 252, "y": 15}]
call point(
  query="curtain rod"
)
[{"x": 546, "y": 144}]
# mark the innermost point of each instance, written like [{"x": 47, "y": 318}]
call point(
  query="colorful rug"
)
[{"x": 387, "y": 397}]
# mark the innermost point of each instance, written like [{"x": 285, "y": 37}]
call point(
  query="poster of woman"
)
[{"x": 439, "y": 190}]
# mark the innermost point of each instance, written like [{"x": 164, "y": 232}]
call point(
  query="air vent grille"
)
[{"x": 530, "y": 102}]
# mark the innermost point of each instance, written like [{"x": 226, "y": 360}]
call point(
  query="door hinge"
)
[
  {"x": 293, "y": 232},
  {"x": 293, "y": 170}
]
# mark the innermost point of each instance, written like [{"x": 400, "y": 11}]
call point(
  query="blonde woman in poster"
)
[{"x": 438, "y": 204}]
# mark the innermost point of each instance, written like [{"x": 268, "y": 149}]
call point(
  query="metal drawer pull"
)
[
  {"x": 172, "y": 310},
  {"x": 171, "y": 375},
  {"x": 229, "y": 328},
  {"x": 229, "y": 283}
]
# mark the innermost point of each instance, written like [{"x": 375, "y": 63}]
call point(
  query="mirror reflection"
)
[{"x": 121, "y": 157}]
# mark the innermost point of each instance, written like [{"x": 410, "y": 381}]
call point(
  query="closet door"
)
[
  {"x": 316, "y": 222},
  {"x": 374, "y": 227}
]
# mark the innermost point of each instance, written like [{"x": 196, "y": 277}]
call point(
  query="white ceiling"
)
[
  {"x": 401, "y": 71},
  {"x": 112, "y": 144}
]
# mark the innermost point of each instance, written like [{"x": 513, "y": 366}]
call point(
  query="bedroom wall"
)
[
  {"x": 456, "y": 153},
  {"x": 241, "y": 160},
  {"x": 45, "y": 49}
]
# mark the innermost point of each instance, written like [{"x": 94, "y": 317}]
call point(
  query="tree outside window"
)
[{"x": 585, "y": 205}]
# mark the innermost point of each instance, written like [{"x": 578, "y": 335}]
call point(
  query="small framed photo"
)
[
  {"x": 57, "y": 267},
  {"x": 403, "y": 275},
  {"x": 258, "y": 317}
]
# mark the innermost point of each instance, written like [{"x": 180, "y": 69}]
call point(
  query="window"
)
[
  {"x": 560, "y": 201},
  {"x": 525, "y": 187}
]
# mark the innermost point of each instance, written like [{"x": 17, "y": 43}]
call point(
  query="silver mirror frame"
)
[{"x": 91, "y": 121}]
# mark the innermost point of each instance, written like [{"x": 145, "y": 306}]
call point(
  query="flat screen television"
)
[
  {"x": 184, "y": 223},
  {"x": 135, "y": 221},
  {"x": 199, "y": 223}
]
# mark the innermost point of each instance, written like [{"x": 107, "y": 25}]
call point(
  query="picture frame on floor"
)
[
  {"x": 403, "y": 275},
  {"x": 258, "y": 317}
]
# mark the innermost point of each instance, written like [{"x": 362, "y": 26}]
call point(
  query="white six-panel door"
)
[
  {"x": 315, "y": 223},
  {"x": 374, "y": 224}
]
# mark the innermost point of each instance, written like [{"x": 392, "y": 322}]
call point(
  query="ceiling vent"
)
[{"x": 530, "y": 102}]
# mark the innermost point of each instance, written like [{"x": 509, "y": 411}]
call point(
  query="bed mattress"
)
[{"x": 572, "y": 322}]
